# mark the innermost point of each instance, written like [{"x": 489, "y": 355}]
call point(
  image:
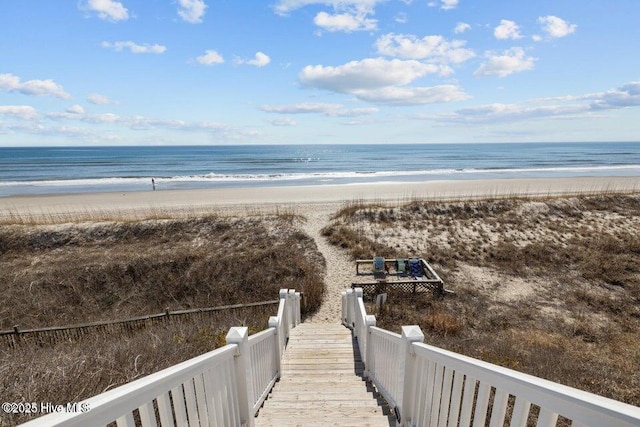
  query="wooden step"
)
[{"x": 320, "y": 383}]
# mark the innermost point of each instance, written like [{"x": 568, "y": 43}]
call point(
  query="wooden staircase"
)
[{"x": 321, "y": 383}]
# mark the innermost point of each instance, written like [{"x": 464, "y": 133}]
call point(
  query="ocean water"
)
[{"x": 51, "y": 170}]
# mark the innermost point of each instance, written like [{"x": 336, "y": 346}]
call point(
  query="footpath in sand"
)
[{"x": 339, "y": 269}]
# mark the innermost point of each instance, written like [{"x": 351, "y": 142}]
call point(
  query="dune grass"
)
[
  {"x": 549, "y": 286},
  {"x": 77, "y": 272}
]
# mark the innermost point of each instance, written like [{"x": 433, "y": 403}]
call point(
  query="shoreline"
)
[{"x": 294, "y": 197}]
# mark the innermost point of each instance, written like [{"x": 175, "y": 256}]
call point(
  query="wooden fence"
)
[{"x": 55, "y": 334}]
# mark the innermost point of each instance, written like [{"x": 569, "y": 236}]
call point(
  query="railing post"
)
[
  {"x": 410, "y": 334},
  {"x": 291, "y": 296},
  {"x": 242, "y": 361},
  {"x": 344, "y": 307},
  {"x": 368, "y": 356},
  {"x": 285, "y": 313},
  {"x": 297, "y": 307},
  {"x": 349, "y": 318},
  {"x": 294, "y": 300},
  {"x": 357, "y": 294},
  {"x": 273, "y": 323}
]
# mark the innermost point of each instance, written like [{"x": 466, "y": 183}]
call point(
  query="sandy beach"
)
[{"x": 299, "y": 198}]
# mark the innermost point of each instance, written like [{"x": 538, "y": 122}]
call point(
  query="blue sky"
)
[{"x": 145, "y": 72}]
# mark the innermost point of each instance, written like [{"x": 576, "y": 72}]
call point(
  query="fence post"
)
[
  {"x": 16, "y": 332},
  {"x": 273, "y": 323},
  {"x": 410, "y": 334},
  {"x": 242, "y": 361},
  {"x": 368, "y": 356}
]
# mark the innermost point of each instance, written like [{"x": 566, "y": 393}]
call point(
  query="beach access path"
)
[{"x": 338, "y": 271}]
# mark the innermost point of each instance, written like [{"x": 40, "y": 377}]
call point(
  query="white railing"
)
[
  {"x": 224, "y": 387},
  {"x": 385, "y": 365},
  {"x": 264, "y": 365},
  {"x": 428, "y": 386}
]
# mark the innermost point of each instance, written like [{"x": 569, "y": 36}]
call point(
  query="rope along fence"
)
[{"x": 54, "y": 334}]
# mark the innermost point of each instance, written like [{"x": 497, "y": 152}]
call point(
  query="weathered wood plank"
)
[{"x": 319, "y": 383}]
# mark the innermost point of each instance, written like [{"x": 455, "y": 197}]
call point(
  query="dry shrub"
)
[{"x": 441, "y": 323}]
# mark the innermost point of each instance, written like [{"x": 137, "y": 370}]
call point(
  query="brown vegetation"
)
[
  {"x": 80, "y": 272},
  {"x": 548, "y": 286}
]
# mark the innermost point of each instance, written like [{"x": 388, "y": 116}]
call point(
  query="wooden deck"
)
[{"x": 322, "y": 384}]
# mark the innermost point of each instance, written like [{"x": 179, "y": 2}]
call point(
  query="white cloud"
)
[
  {"x": 382, "y": 81},
  {"x": 428, "y": 47},
  {"x": 507, "y": 30},
  {"x": 103, "y": 118},
  {"x": 367, "y": 74},
  {"x": 395, "y": 95},
  {"x": 25, "y": 112},
  {"x": 75, "y": 109},
  {"x": 497, "y": 112},
  {"x": 347, "y": 16},
  {"x": 134, "y": 47},
  {"x": 283, "y": 121},
  {"x": 444, "y": 4},
  {"x": 327, "y": 109},
  {"x": 98, "y": 99},
  {"x": 65, "y": 131},
  {"x": 536, "y": 38},
  {"x": 108, "y": 10},
  {"x": 302, "y": 108},
  {"x": 346, "y": 22},
  {"x": 627, "y": 95},
  {"x": 210, "y": 57},
  {"x": 260, "y": 60},
  {"x": 556, "y": 27},
  {"x": 449, "y": 4},
  {"x": 88, "y": 118},
  {"x": 143, "y": 123},
  {"x": 192, "y": 11},
  {"x": 283, "y": 7},
  {"x": 461, "y": 27},
  {"x": 354, "y": 112},
  {"x": 11, "y": 83},
  {"x": 511, "y": 61}
]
